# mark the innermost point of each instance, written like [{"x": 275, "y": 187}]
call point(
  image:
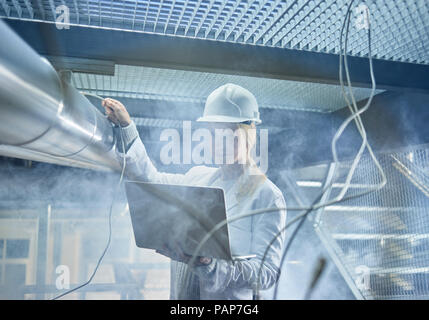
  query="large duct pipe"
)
[{"x": 43, "y": 117}]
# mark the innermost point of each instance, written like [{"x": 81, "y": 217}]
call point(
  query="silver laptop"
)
[{"x": 177, "y": 214}]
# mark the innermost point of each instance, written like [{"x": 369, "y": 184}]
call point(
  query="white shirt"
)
[{"x": 251, "y": 235}]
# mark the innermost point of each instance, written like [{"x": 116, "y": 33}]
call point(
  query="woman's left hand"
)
[{"x": 176, "y": 253}]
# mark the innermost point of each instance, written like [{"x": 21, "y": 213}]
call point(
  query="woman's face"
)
[{"x": 229, "y": 143}]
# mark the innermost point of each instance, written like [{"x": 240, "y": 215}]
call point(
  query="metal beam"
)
[{"x": 177, "y": 52}]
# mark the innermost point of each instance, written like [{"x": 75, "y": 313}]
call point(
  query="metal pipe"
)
[{"x": 43, "y": 117}]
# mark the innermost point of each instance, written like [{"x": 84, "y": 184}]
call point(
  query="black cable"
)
[
  {"x": 110, "y": 228},
  {"x": 321, "y": 264}
]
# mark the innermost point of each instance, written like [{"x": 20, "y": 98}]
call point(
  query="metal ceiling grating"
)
[
  {"x": 400, "y": 27},
  {"x": 194, "y": 87}
]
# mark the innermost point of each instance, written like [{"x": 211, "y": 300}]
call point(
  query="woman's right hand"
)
[{"x": 116, "y": 112}]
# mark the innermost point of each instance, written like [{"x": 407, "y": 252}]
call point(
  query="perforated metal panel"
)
[
  {"x": 192, "y": 86},
  {"x": 400, "y": 27},
  {"x": 381, "y": 241}
]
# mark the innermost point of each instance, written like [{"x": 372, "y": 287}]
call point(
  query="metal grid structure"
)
[
  {"x": 194, "y": 87},
  {"x": 400, "y": 27},
  {"x": 380, "y": 241}
]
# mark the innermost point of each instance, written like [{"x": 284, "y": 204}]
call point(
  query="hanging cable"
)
[
  {"x": 91, "y": 95},
  {"x": 354, "y": 116},
  {"x": 317, "y": 273},
  {"x": 116, "y": 191}
]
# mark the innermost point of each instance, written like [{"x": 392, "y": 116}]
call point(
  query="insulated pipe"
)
[{"x": 43, "y": 117}]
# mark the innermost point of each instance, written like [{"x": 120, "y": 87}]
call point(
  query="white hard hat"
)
[{"x": 231, "y": 103}]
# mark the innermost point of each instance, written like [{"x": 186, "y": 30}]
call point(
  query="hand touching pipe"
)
[{"x": 116, "y": 112}]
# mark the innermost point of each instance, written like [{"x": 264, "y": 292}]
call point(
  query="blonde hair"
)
[{"x": 248, "y": 184}]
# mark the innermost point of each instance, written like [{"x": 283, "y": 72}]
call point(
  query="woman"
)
[{"x": 228, "y": 107}]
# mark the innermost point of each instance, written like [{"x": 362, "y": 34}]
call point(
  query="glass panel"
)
[{"x": 17, "y": 248}]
